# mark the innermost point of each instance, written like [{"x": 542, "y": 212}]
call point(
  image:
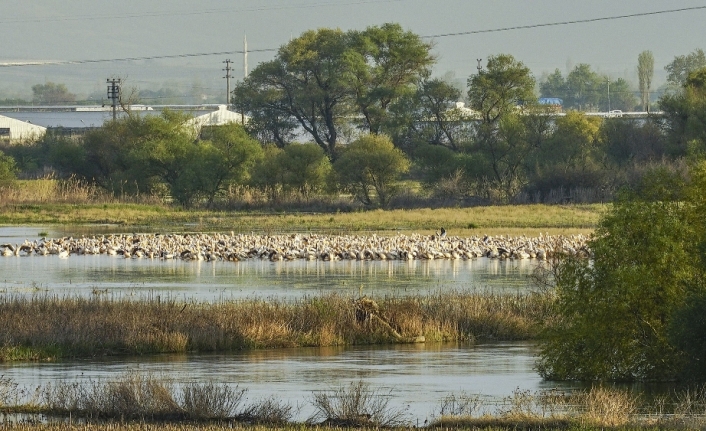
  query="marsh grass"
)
[
  {"x": 355, "y": 405},
  {"x": 51, "y": 190},
  {"x": 47, "y": 327},
  {"x": 596, "y": 408},
  {"x": 148, "y": 399},
  {"x": 509, "y": 220}
]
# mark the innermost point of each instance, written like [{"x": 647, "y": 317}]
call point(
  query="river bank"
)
[
  {"x": 512, "y": 220},
  {"x": 147, "y": 402}
]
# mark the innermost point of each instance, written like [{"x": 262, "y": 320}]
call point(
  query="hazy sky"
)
[{"x": 62, "y": 30}]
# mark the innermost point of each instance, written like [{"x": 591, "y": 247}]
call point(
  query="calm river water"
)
[
  {"x": 418, "y": 375},
  {"x": 207, "y": 281}
]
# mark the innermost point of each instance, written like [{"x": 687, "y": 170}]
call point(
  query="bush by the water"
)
[{"x": 615, "y": 311}]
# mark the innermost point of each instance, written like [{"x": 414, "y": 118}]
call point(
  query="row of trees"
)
[
  {"x": 334, "y": 88},
  {"x": 168, "y": 155}
]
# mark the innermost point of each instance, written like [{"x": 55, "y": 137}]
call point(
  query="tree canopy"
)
[
  {"x": 678, "y": 70},
  {"x": 8, "y": 170},
  {"x": 51, "y": 93},
  {"x": 323, "y": 78},
  {"x": 586, "y": 90},
  {"x": 617, "y": 310},
  {"x": 370, "y": 168}
]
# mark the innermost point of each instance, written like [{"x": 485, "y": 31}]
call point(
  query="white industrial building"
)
[
  {"x": 219, "y": 118},
  {"x": 15, "y": 130}
]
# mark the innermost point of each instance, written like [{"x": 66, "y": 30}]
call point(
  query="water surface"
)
[
  {"x": 416, "y": 377},
  {"x": 207, "y": 281}
]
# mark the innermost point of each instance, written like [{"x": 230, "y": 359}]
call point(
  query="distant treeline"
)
[{"x": 353, "y": 118}]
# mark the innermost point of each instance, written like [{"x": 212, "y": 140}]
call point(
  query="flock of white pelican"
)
[{"x": 236, "y": 247}]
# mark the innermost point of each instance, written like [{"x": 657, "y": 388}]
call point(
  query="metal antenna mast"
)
[
  {"x": 227, "y": 77},
  {"x": 114, "y": 94}
]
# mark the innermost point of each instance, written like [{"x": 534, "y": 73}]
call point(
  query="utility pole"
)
[
  {"x": 227, "y": 77},
  {"x": 245, "y": 56},
  {"x": 480, "y": 68},
  {"x": 114, "y": 94},
  {"x": 608, "y": 81}
]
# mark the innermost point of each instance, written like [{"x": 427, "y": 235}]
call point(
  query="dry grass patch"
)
[
  {"x": 50, "y": 327},
  {"x": 76, "y": 205},
  {"x": 357, "y": 405}
]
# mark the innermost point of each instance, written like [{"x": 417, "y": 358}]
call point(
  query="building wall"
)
[{"x": 14, "y": 130}]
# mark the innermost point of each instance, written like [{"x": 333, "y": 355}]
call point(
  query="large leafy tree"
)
[
  {"x": 503, "y": 95},
  {"x": 309, "y": 81},
  {"x": 430, "y": 116},
  {"x": 386, "y": 63},
  {"x": 584, "y": 88},
  {"x": 224, "y": 157},
  {"x": 554, "y": 85},
  {"x": 616, "y": 310},
  {"x": 572, "y": 157},
  {"x": 678, "y": 70},
  {"x": 500, "y": 88},
  {"x": 621, "y": 97},
  {"x": 305, "y": 169},
  {"x": 324, "y": 78}
]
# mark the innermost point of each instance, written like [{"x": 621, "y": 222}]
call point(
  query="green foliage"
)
[
  {"x": 504, "y": 151},
  {"x": 626, "y": 141},
  {"x": 685, "y": 115},
  {"x": 500, "y": 88},
  {"x": 386, "y": 63},
  {"x": 132, "y": 154},
  {"x": 140, "y": 154},
  {"x": 682, "y": 65},
  {"x": 572, "y": 157},
  {"x": 429, "y": 116},
  {"x": 686, "y": 334},
  {"x": 8, "y": 170},
  {"x": 575, "y": 144},
  {"x": 320, "y": 79},
  {"x": 585, "y": 90},
  {"x": 645, "y": 72},
  {"x": 266, "y": 174},
  {"x": 370, "y": 167},
  {"x": 210, "y": 166},
  {"x": 503, "y": 95},
  {"x": 437, "y": 162},
  {"x": 300, "y": 168},
  {"x": 616, "y": 310},
  {"x": 305, "y": 168},
  {"x": 621, "y": 96},
  {"x": 52, "y": 94}
]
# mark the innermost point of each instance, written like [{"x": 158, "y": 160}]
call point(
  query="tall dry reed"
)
[{"x": 40, "y": 327}]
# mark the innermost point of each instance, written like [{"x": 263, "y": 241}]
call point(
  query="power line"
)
[
  {"x": 577, "y": 21},
  {"x": 464, "y": 33},
  {"x": 116, "y": 60}
]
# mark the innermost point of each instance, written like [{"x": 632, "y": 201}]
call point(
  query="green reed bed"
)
[{"x": 47, "y": 327}]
